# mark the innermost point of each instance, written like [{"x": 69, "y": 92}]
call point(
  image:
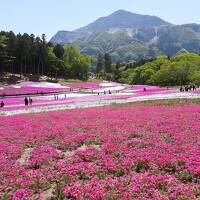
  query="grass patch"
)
[{"x": 166, "y": 103}]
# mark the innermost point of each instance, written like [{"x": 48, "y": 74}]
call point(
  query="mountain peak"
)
[
  {"x": 121, "y": 11},
  {"x": 123, "y": 19},
  {"x": 119, "y": 20},
  {"x": 125, "y": 12}
]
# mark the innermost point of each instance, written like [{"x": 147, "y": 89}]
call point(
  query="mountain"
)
[
  {"x": 128, "y": 36},
  {"x": 65, "y": 37},
  {"x": 119, "y": 20},
  {"x": 172, "y": 39},
  {"x": 122, "y": 19},
  {"x": 120, "y": 45}
]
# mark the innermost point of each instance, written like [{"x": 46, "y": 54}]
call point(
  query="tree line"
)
[
  {"x": 105, "y": 69},
  {"x": 181, "y": 69},
  {"x": 28, "y": 54}
]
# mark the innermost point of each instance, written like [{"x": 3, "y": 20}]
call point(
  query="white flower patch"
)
[
  {"x": 16, "y": 86},
  {"x": 114, "y": 88},
  {"x": 48, "y": 85},
  {"x": 107, "y": 84}
]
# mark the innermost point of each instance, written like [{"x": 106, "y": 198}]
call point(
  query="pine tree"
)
[
  {"x": 117, "y": 73},
  {"x": 107, "y": 63},
  {"x": 59, "y": 51},
  {"x": 100, "y": 63}
]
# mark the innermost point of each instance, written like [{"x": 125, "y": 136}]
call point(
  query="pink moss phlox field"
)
[
  {"x": 77, "y": 93},
  {"x": 31, "y": 87},
  {"x": 46, "y": 87},
  {"x": 113, "y": 152}
]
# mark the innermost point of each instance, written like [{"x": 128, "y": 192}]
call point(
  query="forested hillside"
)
[{"x": 27, "y": 54}]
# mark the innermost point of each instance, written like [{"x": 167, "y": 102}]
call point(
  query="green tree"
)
[
  {"x": 176, "y": 73},
  {"x": 195, "y": 78},
  {"x": 2, "y": 42},
  {"x": 107, "y": 63},
  {"x": 3, "y": 46},
  {"x": 117, "y": 72},
  {"x": 59, "y": 51},
  {"x": 100, "y": 63},
  {"x": 80, "y": 67},
  {"x": 71, "y": 53}
]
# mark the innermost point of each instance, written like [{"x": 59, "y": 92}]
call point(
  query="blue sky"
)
[{"x": 49, "y": 16}]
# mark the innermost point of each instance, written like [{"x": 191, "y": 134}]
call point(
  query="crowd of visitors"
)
[{"x": 188, "y": 88}]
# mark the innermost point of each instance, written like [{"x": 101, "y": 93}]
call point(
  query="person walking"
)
[
  {"x": 30, "y": 101},
  {"x": 26, "y": 101},
  {"x": 2, "y": 104}
]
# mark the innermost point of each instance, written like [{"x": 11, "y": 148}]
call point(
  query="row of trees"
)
[
  {"x": 27, "y": 54},
  {"x": 23, "y": 53},
  {"x": 67, "y": 61},
  {"x": 182, "y": 69},
  {"x": 105, "y": 69}
]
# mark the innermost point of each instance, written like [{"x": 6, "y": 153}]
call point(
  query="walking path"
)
[{"x": 100, "y": 102}]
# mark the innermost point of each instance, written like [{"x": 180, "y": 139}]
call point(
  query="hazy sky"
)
[{"x": 49, "y": 16}]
